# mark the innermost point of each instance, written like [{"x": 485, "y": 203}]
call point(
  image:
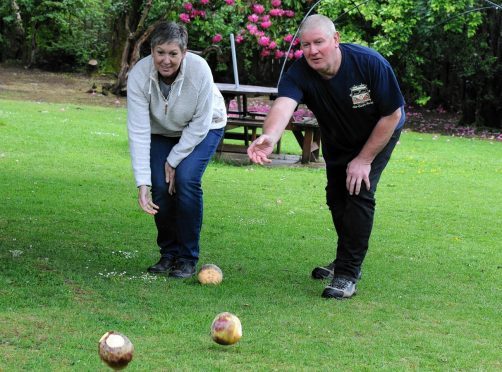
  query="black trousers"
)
[{"x": 353, "y": 214}]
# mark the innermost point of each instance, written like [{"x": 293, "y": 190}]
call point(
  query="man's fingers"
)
[
  {"x": 254, "y": 156},
  {"x": 357, "y": 187},
  {"x": 367, "y": 182},
  {"x": 258, "y": 157},
  {"x": 350, "y": 184},
  {"x": 353, "y": 185}
]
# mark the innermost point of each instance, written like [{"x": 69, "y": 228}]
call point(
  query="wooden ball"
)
[
  {"x": 210, "y": 274},
  {"x": 226, "y": 329},
  {"x": 116, "y": 350}
]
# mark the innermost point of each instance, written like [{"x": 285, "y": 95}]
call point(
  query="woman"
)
[{"x": 175, "y": 122}]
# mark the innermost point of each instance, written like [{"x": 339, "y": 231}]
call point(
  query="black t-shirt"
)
[{"x": 349, "y": 105}]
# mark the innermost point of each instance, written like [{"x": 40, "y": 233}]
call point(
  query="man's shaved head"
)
[{"x": 318, "y": 21}]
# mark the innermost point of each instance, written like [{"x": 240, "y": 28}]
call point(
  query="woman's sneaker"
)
[
  {"x": 162, "y": 267},
  {"x": 183, "y": 270},
  {"x": 326, "y": 272},
  {"x": 340, "y": 288}
]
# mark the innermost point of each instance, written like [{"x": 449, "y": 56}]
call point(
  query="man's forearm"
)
[
  {"x": 380, "y": 136},
  {"x": 278, "y": 118}
]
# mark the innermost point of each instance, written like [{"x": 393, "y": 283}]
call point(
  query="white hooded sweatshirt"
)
[{"x": 194, "y": 106}]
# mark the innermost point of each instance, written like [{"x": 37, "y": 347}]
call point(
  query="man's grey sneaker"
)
[
  {"x": 326, "y": 272},
  {"x": 183, "y": 270},
  {"x": 340, "y": 288}
]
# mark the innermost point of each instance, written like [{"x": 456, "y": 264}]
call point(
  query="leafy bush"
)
[{"x": 64, "y": 35}]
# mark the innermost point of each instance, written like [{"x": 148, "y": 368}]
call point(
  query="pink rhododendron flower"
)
[
  {"x": 252, "y": 28},
  {"x": 264, "y": 41},
  {"x": 298, "y": 54},
  {"x": 266, "y": 24},
  {"x": 276, "y": 12},
  {"x": 239, "y": 39},
  {"x": 258, "y": 8},
  {"x": 230, "y": 2},
  {"x": 289, "y": 13},
  {"x": 272, "y": 45},
  {"x": 288, "y": 38},
  {"x": 291, "y": 55},
  {"x": 185, "y": 18},
  {"x": 278, "y": 54},
  {"x": 204, "y": 2},
  {"x": 265, "y": 53},
  {"x": 265, "y": 18},
  {"x": 296, "y": 42},
  {"x": 217, "y": 38},
  {"x": 188, "y": 6},
  {"x": 198, "y": 13},
  {"x": 276, "y": 3},
  {"x": 259, "y": 34},
  {"x": 253, "y": 18}
]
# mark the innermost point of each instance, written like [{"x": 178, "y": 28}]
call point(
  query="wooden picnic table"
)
[{"x": 306, "y": 131}]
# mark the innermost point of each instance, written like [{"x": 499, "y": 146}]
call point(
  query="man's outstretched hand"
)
[{"x": 260, "y": 149}]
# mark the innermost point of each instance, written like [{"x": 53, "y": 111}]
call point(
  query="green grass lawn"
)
[{"x": 74, "y": 247}]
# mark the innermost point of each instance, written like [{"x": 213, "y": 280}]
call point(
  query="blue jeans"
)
[
  {"x": 353, "y": 214},
  {"x": 179, "y": 219}
]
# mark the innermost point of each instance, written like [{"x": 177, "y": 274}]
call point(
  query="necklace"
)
[{"x": 166, "y": 90}]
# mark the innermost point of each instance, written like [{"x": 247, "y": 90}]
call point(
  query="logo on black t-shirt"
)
[{"x": 360, "y": 96}]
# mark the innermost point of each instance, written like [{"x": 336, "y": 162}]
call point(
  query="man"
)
[{"x": 356, "y": 99}]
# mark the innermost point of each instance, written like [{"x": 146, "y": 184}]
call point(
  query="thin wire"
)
[
  {"x": 495, "y": 5},
  {"x": 293, "y": 39},
  {"x": 461, "y": 14},
  {"x": 298, "y": 29}
]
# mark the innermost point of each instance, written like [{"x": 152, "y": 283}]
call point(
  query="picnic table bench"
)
[{"x": 306, "y": 131}]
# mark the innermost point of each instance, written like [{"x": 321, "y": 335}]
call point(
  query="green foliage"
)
[
  {"x": 65, "y": 34},
  {"x": 422, "y": 101},
  {"x": 444, "y": 51},
  {"x": 434, "y": 45}
]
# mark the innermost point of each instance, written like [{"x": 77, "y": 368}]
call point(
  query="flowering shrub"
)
[{"x": 262, "y": 31}]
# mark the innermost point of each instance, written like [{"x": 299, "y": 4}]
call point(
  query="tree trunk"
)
[
  {"x": 117, "y": 41},
  {"x": 18, "y": 21},
  {"x": 128, "y": 58},
  {"x": 32, "y": 48},
  {"x": 468, "y": 103},
  {"x": 18, "y": 34}
]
